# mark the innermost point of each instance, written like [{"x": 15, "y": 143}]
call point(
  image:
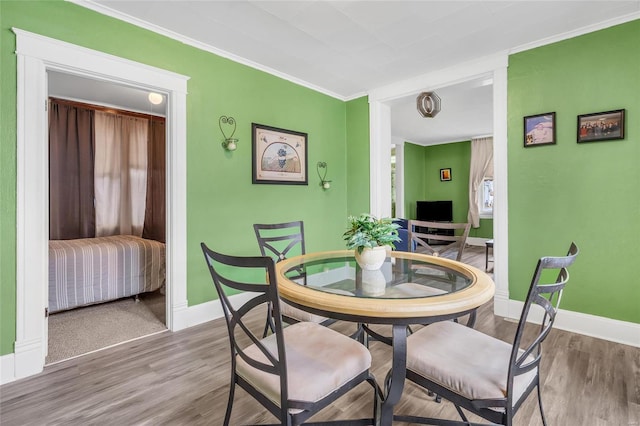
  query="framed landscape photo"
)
[
  {"x": 279, "y": 156},
  {"x": 540, "y": 129},
  {"x": 445, "y": 175},
  {"x": 601, "y": 126}
]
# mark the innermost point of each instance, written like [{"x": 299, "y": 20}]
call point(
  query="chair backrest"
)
[
  {"x": 425, "y": 236},
  {"x": 280, "y": 240},
  {"x": 547, "y": 296},
  {"x": 223, "y": 268}
]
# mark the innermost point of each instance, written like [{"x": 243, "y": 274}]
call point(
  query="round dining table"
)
[{"x": 408, "y": 289}]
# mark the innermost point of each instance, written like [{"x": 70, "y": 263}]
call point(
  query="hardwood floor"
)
[{"x": 183, "y": 378}]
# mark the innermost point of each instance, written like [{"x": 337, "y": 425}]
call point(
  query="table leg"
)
[{"x": 394, "y": 382}]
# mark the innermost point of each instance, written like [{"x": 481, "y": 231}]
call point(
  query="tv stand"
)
[
  {"x": 439, "y": 231},
  {"x": 435, "y": 211}
]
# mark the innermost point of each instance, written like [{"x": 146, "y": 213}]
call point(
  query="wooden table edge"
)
[{"x": 479, "y": 292}]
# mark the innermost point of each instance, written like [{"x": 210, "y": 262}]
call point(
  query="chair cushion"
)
[
  {"x": 319, "y": 361},
  {"x": 464, "y": 360},
  {"x": 298, "y": 314}
]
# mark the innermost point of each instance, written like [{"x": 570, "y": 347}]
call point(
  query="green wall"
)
[
  {"x": 222, "y": 203},
  {"x": 422, "y": 180},
  {"x": 587, "y": 193},
  {"x": 454, "y": 156},
  {"x": 414, "y": 178}
]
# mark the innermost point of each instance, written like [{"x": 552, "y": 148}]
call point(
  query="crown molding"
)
[
  {"x": 107, "y": 11},
  {"x": 575, "y": 33}
]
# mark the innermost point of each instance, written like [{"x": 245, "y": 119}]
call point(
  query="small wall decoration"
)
[
  {"x": 279, "y": 156},
  {"x": 445, "y": 175},
  {"x": 601, "y": 126},
  {"x": 540, "y": 129}
]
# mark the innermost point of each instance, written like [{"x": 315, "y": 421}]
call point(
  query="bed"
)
[{"x": 94, "y": 270}]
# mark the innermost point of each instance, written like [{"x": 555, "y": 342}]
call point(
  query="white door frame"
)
[
  {"x": 494, "y": 67},
  {"x": 36, "y": 55}
]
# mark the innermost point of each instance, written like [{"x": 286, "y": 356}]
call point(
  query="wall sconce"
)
[
  {"x": 229, "y": 142},
  {"x": 428, "y": 104},
  {"x": 324, "y": 183}
]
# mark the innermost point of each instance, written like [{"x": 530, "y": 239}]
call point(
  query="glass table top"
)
[{"x": 398, "y": 278}]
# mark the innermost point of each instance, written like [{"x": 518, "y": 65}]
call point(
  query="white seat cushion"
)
[
  {"x": 298, "y": 314},
  {"x": 319, "y": 361},
  {"x": 464, "y": 360}
]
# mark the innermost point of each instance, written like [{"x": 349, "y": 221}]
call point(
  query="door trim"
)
[
  {"x": 36, "y": 55},
  {"x": 494, "y": 67}
]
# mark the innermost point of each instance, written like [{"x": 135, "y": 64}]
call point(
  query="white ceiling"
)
[{"x": 347, "y": 48}]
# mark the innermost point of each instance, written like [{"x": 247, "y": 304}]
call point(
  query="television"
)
[{"x": 435, "y": 211}]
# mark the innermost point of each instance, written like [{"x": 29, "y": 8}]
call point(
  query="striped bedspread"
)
[{"x": 93, "y": 270}]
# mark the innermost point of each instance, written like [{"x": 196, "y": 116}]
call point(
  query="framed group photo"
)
[
  {"x": 279, "y": 156},
  {"x": 601, "y": 126},
  {"x": 540, "y": 129}
]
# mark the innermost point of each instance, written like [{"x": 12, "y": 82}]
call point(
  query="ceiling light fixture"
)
[
  {"x": 428, "y": 104},
  {"x": 156, "y": 98}
]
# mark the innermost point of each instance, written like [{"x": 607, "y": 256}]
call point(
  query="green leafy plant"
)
[{"x": 367, "y": 231}]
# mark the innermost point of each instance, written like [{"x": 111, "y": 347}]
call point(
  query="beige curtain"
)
[
  {"x": 481, "y": 168},
  {"x": 120, "y": 173}
]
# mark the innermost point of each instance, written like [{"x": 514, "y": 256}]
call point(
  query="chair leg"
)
[
  {"x": 268, "y": 326},
  {"x": 544, "y": 421},
  {"x": 227, "y": 415},
  {"x": 377, "y": 395}
]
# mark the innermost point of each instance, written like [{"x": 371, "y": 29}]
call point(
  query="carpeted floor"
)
[{"x": 83, "y": 330}]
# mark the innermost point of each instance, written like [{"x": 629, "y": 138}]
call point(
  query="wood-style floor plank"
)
[{"x": 182, "y": 378}]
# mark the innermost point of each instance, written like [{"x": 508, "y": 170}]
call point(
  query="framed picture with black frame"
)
[
  {"x": 279, "y": 156},
  {"x": 601, "y": 126},
  {"x": 540, "y": 129},
  {"x": 445, "y": 175}
]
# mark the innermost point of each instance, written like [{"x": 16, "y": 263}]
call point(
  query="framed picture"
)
[
  {"x": 540, "y": 129},
  {"x": 279, "y": 156},
  {"x": 601, "y": 126},
  {"x": 445, "y": 174}
]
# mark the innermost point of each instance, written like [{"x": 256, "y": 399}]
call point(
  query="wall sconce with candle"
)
[
  {"x": 324, "y": 183},
  {"x": 229, "y": 143}
]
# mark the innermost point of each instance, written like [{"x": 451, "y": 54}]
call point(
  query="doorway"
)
[
  {"x": 95, "y": 304},
  {"x": 380, "y": 102},
  {"x": 37, "y": 55}
]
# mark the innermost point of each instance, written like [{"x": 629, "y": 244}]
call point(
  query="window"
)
[{"x": 486, "y": 199}]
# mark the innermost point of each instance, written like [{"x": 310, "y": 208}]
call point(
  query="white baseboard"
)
[
  {"x": 626, "y": 333},
  {"x": 24, "y": 362},
  {"x": 7, "y": 369},
  {"x": 180, "y": 316},
  {"x": 212, "y": 310}
]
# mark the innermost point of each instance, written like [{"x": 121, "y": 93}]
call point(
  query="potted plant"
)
[{"x": 371, "y": 238}]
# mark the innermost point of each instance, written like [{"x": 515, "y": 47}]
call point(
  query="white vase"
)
[
  {"x": 373, "y": 282},
  {"x": 371, "y": 258}
]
